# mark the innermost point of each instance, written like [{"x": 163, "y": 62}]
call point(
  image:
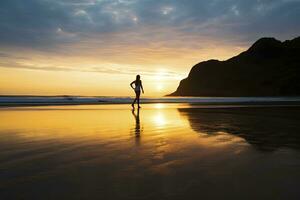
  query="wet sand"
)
[{"x": 164, "y": 151}]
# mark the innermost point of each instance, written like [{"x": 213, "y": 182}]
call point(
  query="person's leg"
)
[
  {"x": 133, "y": 102},
  {"x": 138, "y": 98}
]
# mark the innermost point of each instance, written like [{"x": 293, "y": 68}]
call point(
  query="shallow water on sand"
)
[{"x": 164, "y": 151}]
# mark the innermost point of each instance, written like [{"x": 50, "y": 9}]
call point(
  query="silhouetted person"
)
[{"x": 137, "y": 89}]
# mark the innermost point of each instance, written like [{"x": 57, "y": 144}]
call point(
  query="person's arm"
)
[
  {"x": 132, "y": 84},
  {"x": 142, "y": 87}
]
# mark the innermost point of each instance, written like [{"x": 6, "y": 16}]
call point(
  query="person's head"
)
[{"x": 138, "y": 77}]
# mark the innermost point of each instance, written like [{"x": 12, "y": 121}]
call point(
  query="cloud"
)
[
  {"x": 9, "y": 56},
  {"x": 142, "y": 30},
  {"x": 40, "y": 23}
]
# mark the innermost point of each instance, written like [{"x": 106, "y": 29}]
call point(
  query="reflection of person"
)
[
  {"x": 137, "y": 89},
  {"x": 137, "y": 129}
]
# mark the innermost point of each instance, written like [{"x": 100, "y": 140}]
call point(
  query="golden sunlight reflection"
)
[
  {"x": 115, "y": 126},
  {"x": 159, "y": 105},
  {"x": 159, "y": 119}
]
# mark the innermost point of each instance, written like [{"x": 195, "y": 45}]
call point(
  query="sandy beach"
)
[{"x": 164, "y": 151}]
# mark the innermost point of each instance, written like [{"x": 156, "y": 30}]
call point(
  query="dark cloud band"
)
[{"x": 46, "y": 23}]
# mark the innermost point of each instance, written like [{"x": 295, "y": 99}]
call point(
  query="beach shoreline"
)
[{"x": 20, "y": 101}]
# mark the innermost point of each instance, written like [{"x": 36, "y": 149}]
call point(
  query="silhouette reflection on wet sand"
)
[
  {"x": 265, "y": 128},
  {"x": 137, "y": 129}
]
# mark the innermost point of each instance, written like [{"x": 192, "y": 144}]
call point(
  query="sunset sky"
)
[{"x": 96, "y": 47}]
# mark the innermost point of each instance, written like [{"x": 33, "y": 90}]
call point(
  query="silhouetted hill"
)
[{"x": 268, "y": 68}]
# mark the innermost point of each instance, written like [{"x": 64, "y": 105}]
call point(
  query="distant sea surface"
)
[{"x": 65, "y": 100}]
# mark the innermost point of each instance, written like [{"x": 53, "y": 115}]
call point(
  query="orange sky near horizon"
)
[{"x": 102, "y": 72}]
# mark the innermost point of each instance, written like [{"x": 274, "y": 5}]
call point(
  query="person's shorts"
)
[{"x": 138, "y": 92}]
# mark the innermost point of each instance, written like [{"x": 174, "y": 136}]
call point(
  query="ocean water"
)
[
  {"x": 14, "y": 100},
  {"x": 162, "y": 151}
]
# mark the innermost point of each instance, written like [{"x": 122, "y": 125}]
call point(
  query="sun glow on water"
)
[
  {"x": 159, "y": 119},
  {"x": 159, "y": 105}
]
